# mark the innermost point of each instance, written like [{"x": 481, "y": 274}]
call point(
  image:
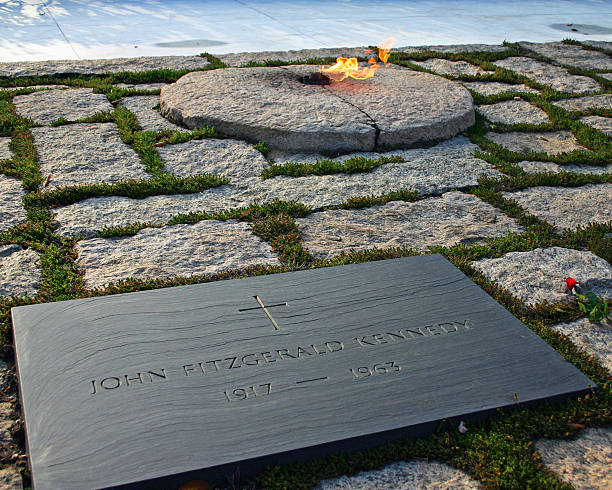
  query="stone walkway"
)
[{"x": 419, "y": 198}]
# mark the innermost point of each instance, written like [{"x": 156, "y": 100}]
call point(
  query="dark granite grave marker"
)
[{"x": 174, "y": 384}]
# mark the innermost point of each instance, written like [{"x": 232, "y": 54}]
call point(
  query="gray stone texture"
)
[
  {"x": 513, "y": 112},
  {"x": 447, "y": 67},
  {"x": 115, "y": 65},
  {"x": 583, "y": 463},
  {"x": 607, "y": 76},
  {"x": 19, "y": 271},
  {"x": 85, "y": 154},
  {"x": 49, "y": 105},
  {"x": 558, "y": 78},
  {"x": 12, "y": 211},
  {"x": 567, "y": 207},
  {"x": 149, "y": 118},
  {"x": 425, "y": 171},
  {"x": 141, "y": 86},
  {"x": 242, "y": 59},
  {"x": 538, "y": 167},
  {"x": 234, "y": 159},
  {"x": 571, "y": 55},
  {"x": 405, "y": 476},
  {"x": 603, "y": 124},
  {"x": 454, "y": 48},
  {"x": 551, "y": 142},
  {"x": 495, "y": 88},
  {"x": 539, "y": 275},
  {"x": 599, "y": 44},
  {"x": 583, "y": 104},
  {"x": 594, "y": 338},
  {"x": 272, "y": 105},
  {"x": 454, "y": 218},
  {"x": 5, "y": 151},
  {"x": 206, "y": 247},
  {"x": 37, "y": 87}
]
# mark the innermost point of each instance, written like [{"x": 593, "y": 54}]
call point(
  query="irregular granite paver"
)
[
  {"x": 495, "y": 88},
  {"x": 607, "y": 76},
  {"x": 585, "y": 103},
  {"x": 242, "y": 59},
  {"x": 538, "y": 167},
  {"x": 513, "y": 112},
  {"x": 85, "y": 154},
  {"x": 567, "y": 207},
  {"x": 149, "y": 118},
  {"x": 594, "y": 338},
  {"x": 37, "y": 87},
  {"x": 454, "y": 218},
  {"x": 405, "y": 476},
  {"x": 539, "y": 275},
  {"x": 141, "y": 86},
  {"x": 12, "y": 211},
  {"x": 453, "y": 68},
  {"x": 603, "y": 124},
  {"x": 558, "y": 78},
  {"x": 551, "y": 142},
  {"x": 234, "y": 159},
  {"x": 5, "y": 151},
  {"x": 396, "y": 108},
  {"x": 49, "y": 105},
  {"x": 454, "y": 48},
  {"x": 583, "y": 463},
  {"x": 206, "y": 247},
  {"x": 572, "y": 55},
  {"x": 115, "y": 65},
  {"x": 425, "y": 170},
  {"x": 599, "y": 44},
  {"x": 19, "y": 271}
]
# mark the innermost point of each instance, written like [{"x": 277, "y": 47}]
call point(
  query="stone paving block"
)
[
  {"x": 551, "y": 142},
  {"x": 37, "y": 87},
  {"x": 568, "y": 54},
  {"x": 607, "y": 76},
  {"x": 603, "y": 124},
  {"x": 405, "y": 476},
  {"x": 585, "y": 103},
  {"x": 599, "y": 44},
  {"x": 539, "y": 275},
  {"x": 232, "y": 158},
  {"x": 49, "y": 105},
  {"x": 594, "y": 338},
  {"x": 12, "y": 211},
  {"x": 538, "y": 167},
  {"x": 5, "y": 151},
  {"x": 495, "y": 88},
  {"x": 85, "y": 154},
  {"x": 453, "y": 48},
  {"x": 115, "y": 65},
  {"x": 447, "y": 67},
  {"x": 206, "y": 247},
  {"x": 583, "y": 463},
  {"x": 242, "y": 59},
  {"x": 567, "y": 207},
  {"x": 149, "y": 118},
  {"x": 19, "y": 271},
  {"x": 558, "y": 78},
  {"x": 513, "y": 112},
  {"x": 141, "y": 86},
  {"x": 454, "y": 218}
]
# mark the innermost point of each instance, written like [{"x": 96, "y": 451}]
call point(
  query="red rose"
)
[{"x": 571, "y": 283}]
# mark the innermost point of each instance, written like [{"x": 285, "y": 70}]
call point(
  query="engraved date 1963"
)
[
  {"x": 248, "y": 392},
  {"x": 380, "y": 368}
]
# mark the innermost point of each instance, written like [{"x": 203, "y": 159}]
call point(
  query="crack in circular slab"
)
[{"x": 395, "y": 109}]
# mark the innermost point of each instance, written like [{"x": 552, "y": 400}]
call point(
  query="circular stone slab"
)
[{"x": 395, "y": 109}]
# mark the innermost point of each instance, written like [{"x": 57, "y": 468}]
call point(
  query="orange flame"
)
[{"x": 349, "y": 67}]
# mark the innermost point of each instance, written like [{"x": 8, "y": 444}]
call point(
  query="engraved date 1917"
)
[
  {"x": 380, "y": 368},
  {"x": 238, "y": 394}
]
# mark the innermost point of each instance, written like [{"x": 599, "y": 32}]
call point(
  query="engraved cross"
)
[{"x": 265, "y": 309}]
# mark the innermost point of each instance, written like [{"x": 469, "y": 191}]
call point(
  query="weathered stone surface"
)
[
  {"x": 607, "y": 76},
  {"x": 396, "y": 108},
  {"x": 567, "y": 207},
  {"x": 141, "y": 86},
  {"x": 425, "y": 171},
  {"x": 49, "y": 105},
  {"x": 242, "y": 59},
  {"x": 12, "y": 211},
  {"x": 206, "y": 247},
  {"x": 585, "y": 103},
  {"x": 537, "y": 167},
  {"x": 595, "y": 338},
  {"x": 558, "y": 78},
  {"x": 568, "y": 54},
  {"x": 603, "y": 124},
  {"x": 115, "y": 65},
  {"x": 85, "y": 154},
  {"x": 149, "y": 118},
  {"x": 495, "y": 88},
  {"x": 454, "y": 218},
  {"x": 454, "y": 48},
  {"x": 513, "y": 112},
  {"x": 234, "y": 159},
  {"x": 599, "y": 44},
  {"x": 405, "y": 476},
  {"x": 552, "y": 142},
  {"x": 10, "y": 478},
  {"x": 5, "y": 151},
  {"x": 539, "y": 275},
  {"x": 19, "y": 271},
  {"x": 583, "y": 463},
  {"x": 448, "y": 67},
  {"x": 37, "y": 87}
]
